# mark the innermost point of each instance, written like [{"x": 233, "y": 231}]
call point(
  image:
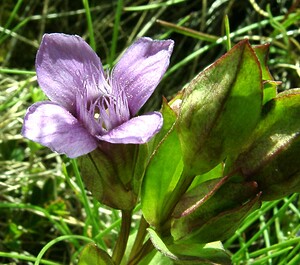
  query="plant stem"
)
[
  {"x": 180, "y": 188},
  {"x": 121, "y": 244},
  {"x": 144, "y": 251},
  {"x": 140, "y": 237}
]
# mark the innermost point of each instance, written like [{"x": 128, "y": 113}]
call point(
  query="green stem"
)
[
  {"x": 181, "y": 187},
  {"x": 144, "y": 251},
  {"x": 121, "y": 244},
  {"x": 140, "y": 237},
  {"x": 138, "y": 253}
]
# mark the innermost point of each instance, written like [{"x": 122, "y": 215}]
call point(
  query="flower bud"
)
[
  {"x": 220, "y": 109},
  {"x": 272, "y": 159}
]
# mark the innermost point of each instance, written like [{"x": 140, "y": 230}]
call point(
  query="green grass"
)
[{"x": 46, "y": 216}]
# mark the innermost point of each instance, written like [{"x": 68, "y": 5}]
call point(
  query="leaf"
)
[
  {"x": 211, "y": 253},
  {"x": 272, "y": 159},
  {"x": 270, "y": 90},
  {"x": 215, "y": 173},
  {"x": 169, "y": 118},
  {"x": 92, "y": 255},
  {"x": 163, "y": 171},
  {"x": 208, "y": 254},
  {"x": 160, "y": 245},
  {"x": 156, "y": 258},
  {"x": 213, "y": 210},
  {"x": 270, "y": 86},
  {"x": 223, "y": 225},
  {"x": 262, "y": 52},
  {"x": 220, "y": 109}
]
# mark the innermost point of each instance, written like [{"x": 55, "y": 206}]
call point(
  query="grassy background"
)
[{"x": 41, "y": 199}]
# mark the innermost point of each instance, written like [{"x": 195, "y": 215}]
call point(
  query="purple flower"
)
[{"x": 87, "y": 104}]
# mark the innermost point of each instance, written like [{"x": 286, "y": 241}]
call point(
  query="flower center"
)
[{"x": 101, "y": 105}]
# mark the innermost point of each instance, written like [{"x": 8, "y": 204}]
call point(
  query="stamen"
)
[{"x": 100, "y": 106}]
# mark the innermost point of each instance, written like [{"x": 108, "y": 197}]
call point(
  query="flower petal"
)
[
  {"x": 138, "y": 130},
  {"x": 51, "y": 125},
  {"x": 140, "y": 70},
  {"x": 66, "y": 65}
]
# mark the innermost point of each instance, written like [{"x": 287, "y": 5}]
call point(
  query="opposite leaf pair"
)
[
  {"x": 234, "y": 142},
  {"x": 230, "y": 143}
]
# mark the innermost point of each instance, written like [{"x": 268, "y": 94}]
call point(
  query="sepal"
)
[{"x": 113, "y": 173}]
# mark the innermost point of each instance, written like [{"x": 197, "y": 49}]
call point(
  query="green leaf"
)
[
  {"x": 156, "y": 258},
  {"x": 159, "y": 244},
  {"x": 272, "y": 159},
  {"x": 220, "y": 109},
  {"x": 270, "y": 90},
  {"x": 92, "y": 255},
  {"x": 208, "y": 254},
  {"x": 223, "y": 225},
  {"x": 163, "y": 171},
  {"x": 169, "y": 116},
  {"x": 211, "y": 253},
  {"x": 213, "y": 210},
  {"x": 215, "y": 173},
  {"x": 262, "y": 53},
  {"x": 270, "y": 86}
]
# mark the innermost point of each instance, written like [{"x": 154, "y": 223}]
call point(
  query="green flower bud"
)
[
  {"x": 272, "y": 159},
  {"x": 220, "y": 109}
]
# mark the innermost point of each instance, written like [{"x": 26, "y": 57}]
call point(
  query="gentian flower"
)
[{"x": 87, "y": 104}]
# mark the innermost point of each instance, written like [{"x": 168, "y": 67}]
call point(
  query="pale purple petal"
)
[
  {"x": 51, "y": 125},
  {"x": 138, "y": 130},
  {"x": 140, "y": 70},
  {"x": 66, "y": 65}
]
